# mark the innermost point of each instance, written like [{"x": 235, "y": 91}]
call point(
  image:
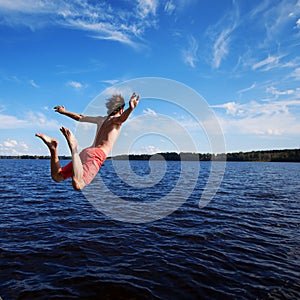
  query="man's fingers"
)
[
  {"x": 134, "y": 95},
  {"x": 58, "y": 107}
]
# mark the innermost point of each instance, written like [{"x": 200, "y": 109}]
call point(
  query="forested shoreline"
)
[{"x": 286, "y": 155}]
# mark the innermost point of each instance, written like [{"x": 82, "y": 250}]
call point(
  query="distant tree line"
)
[
  {"x": 171, "y": 156},
  {"x": 287, "y": 155},
  {"x": 31, "y": 157}
]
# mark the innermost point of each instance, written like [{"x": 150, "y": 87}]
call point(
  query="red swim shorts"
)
[{"x": 92, "y": 159}]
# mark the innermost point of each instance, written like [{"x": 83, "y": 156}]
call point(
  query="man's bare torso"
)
[{"x": 107, "y": 134}]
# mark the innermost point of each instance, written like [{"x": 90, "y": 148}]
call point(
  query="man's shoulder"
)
[{"x": 115, "y": 120}]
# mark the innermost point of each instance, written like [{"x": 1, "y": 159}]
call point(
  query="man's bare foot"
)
[
  {"x": 72, "y": 142},
  {"x": 50, "y": 142}
]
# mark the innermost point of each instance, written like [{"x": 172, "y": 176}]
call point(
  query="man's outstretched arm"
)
[
  {"x": 133, "y": 102},
  {"x": 77, "y": 117}
]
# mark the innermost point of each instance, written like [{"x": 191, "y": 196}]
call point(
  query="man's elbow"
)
[{"x": 79, "y": 118}]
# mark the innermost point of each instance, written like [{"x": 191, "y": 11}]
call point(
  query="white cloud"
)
[
  {"x": 189, "y": 123},
  {"x": 279, "y": 16},
  {"x": 190, "y": 54},
  {"x": 272, "y": 62},
  {"x": 146, "y": 149},
  {"x": 298, "y": 23},
  {"x": 150, "y": 149},
  {"x": 274, "y": 18},
  {"x": 110, "y": 81},
  {"x": 270, "y": 26},
  {"x": 10, "y": 143},
  {"x": 221, "y": 35},
  {"x": 11, "y": 78},
  {"x": 8, "y": 122},
  {"x": 31, "y": 13},
  {"x": 272, "y": 90},
  {"x": 296, "y": 74},
  {"x": 247, "y": 89},
  {"x": 150, "y": 112},
  {"x": 267, "y": 118},
  {"x": 258, "y": 9},
  {"x": 13, "y": 147},
  {"x": 99, "y": 18},
  {"x": 254, "y": 108},
  {"x": 220, "y": 48},
  {"x": 31, "y": 120},
  {"x": 125, "y": 91},
  {"x": 263, "y": 125},
  {"x": 180, "y": 5},
  {"x": 104, "y": 31},
  {"x": 39, "y": 120},
  {"x": 147, "y": 7},
  {"x": 2, "y": 108},
  {"x": 24, "y": 146},
  {"x": 267, "y": 63},
  {"x": 75, "y": 84},
  {"x": 34, "y": 84},
  {"x": 232, "y": 108},
  {"x": 26, "y": 6},
  {"x": 169, "y": 7}
]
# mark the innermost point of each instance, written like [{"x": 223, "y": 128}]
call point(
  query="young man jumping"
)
[{"x": 86, "y": 164}]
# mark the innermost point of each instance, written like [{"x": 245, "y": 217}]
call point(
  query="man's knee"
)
[
  {"x": 57, "y": 177},
  {"x": 78, "y": 186}
]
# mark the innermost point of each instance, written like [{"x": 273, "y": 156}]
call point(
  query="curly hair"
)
[{"x": 114, "y": 104}]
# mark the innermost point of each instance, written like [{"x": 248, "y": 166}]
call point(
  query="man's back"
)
[{"x": 107, "y": 134}]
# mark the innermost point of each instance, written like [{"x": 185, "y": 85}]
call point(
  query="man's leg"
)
[
  {"x": 54, "y": 162},
  {"x": 77, "y": 176}
]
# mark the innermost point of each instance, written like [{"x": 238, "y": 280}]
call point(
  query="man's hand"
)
[
  {"x": 60, "y": 109},
  {"x": 134, "y": 100}
]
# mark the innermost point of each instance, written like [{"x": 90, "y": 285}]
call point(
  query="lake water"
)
[{"x": 245, "y": 244}]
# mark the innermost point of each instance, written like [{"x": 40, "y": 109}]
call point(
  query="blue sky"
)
[{"x": 241, "y": 56}]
